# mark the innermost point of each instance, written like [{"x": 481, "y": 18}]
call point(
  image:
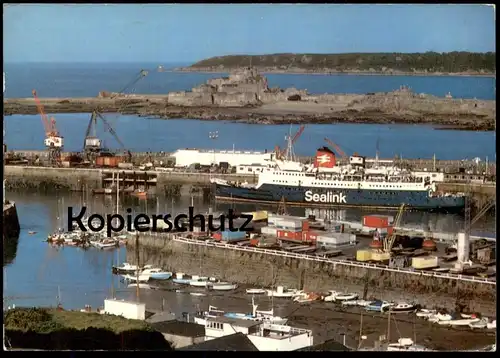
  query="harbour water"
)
[
  {"x": 25, "y": 132},
  {"x": 39, "y": 272},
  {"x": 86, "y": 80}
]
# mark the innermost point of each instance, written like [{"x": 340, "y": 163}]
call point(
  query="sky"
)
[{"x": 188, "y": 33}]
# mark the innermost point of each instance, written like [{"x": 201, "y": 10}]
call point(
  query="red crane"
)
[
  {"x": 336, "y": 148},
  {"x": 291, "y": 140},
  {"x": 53, "y": 141}
]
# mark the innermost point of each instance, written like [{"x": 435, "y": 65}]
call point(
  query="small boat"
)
[
  {"x": 157, "y": 273},
  {"x": 307, "y": 297},
  {"x": 459, "y": 322},
  {"x": 335, "y": 296},
  {"x": 181, "y": 279},
  {"x": 378, "y": 306},
  {"x": 197, "y": 281},
  {"x": 141, "y": 278},
  {"x": 482, "y": 323},
  {"x": 224, "y": 286},
  {"x": 31, "y": 232},
  {"x": 141, "y": 285},
  {"x": 255, "y": 291},
  {"x": 492, "y": 325},
  {"x": 406, "y": 344},
  {"x": 403, "y": 307},
  {"x": 197, "y": 294},
  {"x": 424, "y": 313},
  {"x": 104, "y": 244},
  {"x": 362, "y": 303},
  {"x": 439, "y": 317},
  {"x": 282, "y": 292},
  {"x": 125, "y": 267}
]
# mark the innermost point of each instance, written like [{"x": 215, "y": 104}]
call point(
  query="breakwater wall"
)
[
  {"x": 10, "y": 221},
  {"x": 78, "y": 179},
  {"x": 268, "y": 268}
]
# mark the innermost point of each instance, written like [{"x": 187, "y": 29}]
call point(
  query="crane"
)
[
  {"x": 391, "y": 237},
  {"x": 288, "y": 152},
  {"x": 336, "y": 148},
  {"x": 53, "y": 141},
  {"x": 92, "y": 144}
]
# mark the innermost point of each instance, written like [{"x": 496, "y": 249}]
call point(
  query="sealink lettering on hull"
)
[{"x": 328, "y": 197}]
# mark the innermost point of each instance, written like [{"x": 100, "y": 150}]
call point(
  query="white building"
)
[
  {"x": 264, "y": 336},
  {"x": 186, "y": 157},
  {"x": 127, "y": 309}
]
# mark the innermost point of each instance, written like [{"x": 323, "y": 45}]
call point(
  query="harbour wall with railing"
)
[{"x": 269, "y": 268}]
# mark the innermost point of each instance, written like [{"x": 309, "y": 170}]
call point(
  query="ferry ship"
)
[{"x": 324, "y": 184}]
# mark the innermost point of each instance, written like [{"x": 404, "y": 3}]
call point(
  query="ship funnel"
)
[{"x": 325, "y": 158}]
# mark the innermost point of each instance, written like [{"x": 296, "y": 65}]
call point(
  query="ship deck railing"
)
[{"x": 333, "y": 261}]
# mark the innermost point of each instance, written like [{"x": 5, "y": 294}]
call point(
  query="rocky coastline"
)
[{"x": 245, "y": 97}]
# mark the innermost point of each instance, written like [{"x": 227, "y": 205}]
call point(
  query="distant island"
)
[{"x": 428, "y": 63}]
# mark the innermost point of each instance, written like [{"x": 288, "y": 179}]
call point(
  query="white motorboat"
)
[
  {"x": 104, "y": 244},
  {"x": 438, "y": 317},
  {"x": 403, "y": 307},
  {"x": 125, "y": 267},
  {"x": 197, "y": 281},
  {"x": 378, "y": 306},
  {"x": 362, "y": 303},
  {"x": 492, "y": 325},
  {"x": 459, "y": 322},
  {"x": 335, "y": 296},
  {"x": 141, "y": 278},
  {"x": 424, "y": 313},
  {"x": 406, "y": 344},
  {"x": 282, "y": 292},
  {"x": 306, "y": 297},
  {"x": 224, "y": 286},
  {"x": 482, "y": 323},
  {"x": 141, "y": 285},
  {"x": 255, "y": 291},
  {"x": 181, "y": 279}
]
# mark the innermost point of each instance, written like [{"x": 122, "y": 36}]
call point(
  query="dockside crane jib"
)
[{"x": 54, "y": 142}]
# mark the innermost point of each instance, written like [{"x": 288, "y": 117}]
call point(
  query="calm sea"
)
[{"x": 86, "y": 80}]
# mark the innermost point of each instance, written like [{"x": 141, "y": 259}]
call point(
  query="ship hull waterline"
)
[{"x": 387, "y": 200}]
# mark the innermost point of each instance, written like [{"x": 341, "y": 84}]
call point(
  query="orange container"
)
[
  {"x": 305, "y": 225},
  {"x": 376, "y": 221},
  {"x": 217, "y": 236}
]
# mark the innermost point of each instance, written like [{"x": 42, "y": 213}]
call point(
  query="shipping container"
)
[
  {"x": 335, "y": 239},
  {"x": 233, "y": 235},
  {"x": 381, "y": 256},
  {"x": 363, "y": 255},
  {"x": 217, "y": 236},
  {"x": 267, "y": 230},
  {"x": 293, "y": 235},
  {"x": 377, "y": 221},
  {"x": 427, "y": 262}
]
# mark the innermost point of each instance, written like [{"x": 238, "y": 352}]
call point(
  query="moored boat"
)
[
  {"x": 378, "y": 306},
  {"x": 255, "y": 291},
  {"x": 282, "y": 292},
  {"x": 181, "y": 279},
  {"x": 125, "y": 268},
  {"x": 403, "y": 307},
  {"x": 157, "y": 274},
  {"x": 335, "y": 296},
  {"x": 224, "y": 286}
]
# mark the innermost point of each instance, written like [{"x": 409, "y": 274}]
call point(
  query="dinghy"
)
[
  {"x": 306, "y": 297},
  {"x": 282, "y": 292},
  {"x": 481, "y": 324},
  {"x": 141, "y": 278},
  {"x": 439, "y": 317},
  {"x": 255, "y": 291},
  {"x": 224, "y": 286},
  {"x": 406, "y": 344},
  {"x": 492, "y": 325},
  {"x": 335, "y": 296},
  {"x": 181, "y": 279},
  {"x": 125, "y": 267},
  {"x": 424, "y": 313}
]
